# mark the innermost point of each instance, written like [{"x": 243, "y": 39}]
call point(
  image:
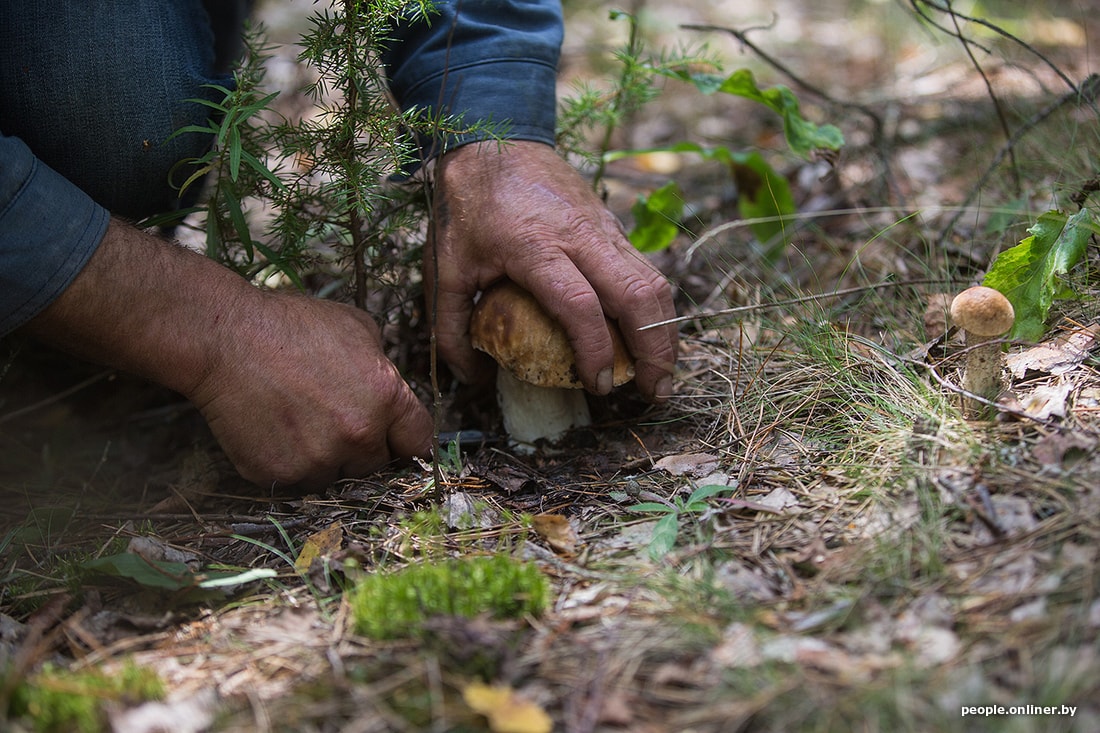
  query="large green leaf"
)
[
  {"x": 1027, "y": 274},
  {"x": 149, "y": 573}
]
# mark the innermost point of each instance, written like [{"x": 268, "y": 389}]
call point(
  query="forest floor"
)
[{"x": 874, "y": 559}]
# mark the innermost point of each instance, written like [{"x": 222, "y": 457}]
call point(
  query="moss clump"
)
[
  {"x": 55, "y": 699},
  {"x": 388, "y": 606}
]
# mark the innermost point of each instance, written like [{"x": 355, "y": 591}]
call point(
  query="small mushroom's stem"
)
[
  {"x": 532, "y": 413},
  {"x": 983, "y": 374}
]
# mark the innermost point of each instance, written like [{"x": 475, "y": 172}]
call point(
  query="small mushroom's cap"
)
[
  {"x": 509, "y": 325},
  {"x": 982, "y": 311}
]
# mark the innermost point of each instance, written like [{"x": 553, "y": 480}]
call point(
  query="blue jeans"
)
[{"x": 95, "y": 88}]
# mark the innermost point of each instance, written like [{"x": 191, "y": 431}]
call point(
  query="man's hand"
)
[
  {"x": 518, "y": 210},
  {"x": 296, "y": 390},
  {"x": 302, "y": 393}
]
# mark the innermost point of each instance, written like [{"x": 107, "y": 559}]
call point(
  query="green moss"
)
[
  {"x": 56, "y": 699},
  {"x": 387, "y": 606}
]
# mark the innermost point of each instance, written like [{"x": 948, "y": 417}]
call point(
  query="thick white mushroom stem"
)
[
  {"x": 541, "y": 397},
  {"x": 982, "y": 375},
  {"x": 533, "y": 413}
]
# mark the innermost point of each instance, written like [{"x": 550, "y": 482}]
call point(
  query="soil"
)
[{"x": 878, "y": 561}]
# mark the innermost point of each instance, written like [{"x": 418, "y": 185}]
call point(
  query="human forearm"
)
[
  {"x": 296, "y": 390},
  {"x": 145, "y": 306}
]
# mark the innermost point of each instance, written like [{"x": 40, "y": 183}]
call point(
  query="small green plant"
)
[
  {"x": 667, "y": 528},
  {"x": 764, "y": 197},
  {"x": 395, "y": 605},
  {"x": 57, "y": 700},
  {"x": 320, "y": 178}
]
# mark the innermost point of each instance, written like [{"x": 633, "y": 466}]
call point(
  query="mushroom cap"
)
[
  {"x": 982, "y": 311},
  {"x": 509, "y": 325}
]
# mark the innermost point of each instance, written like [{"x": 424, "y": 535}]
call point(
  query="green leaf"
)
[
  {"x": 664, "y": 536},
  {"x": 234, "y": 145},
  {"x": 650, "y": 506},
  {"x": 236, "y": 215},
  {"x": 657, "y": 218},
  {"x": 803, "y": 137},
  {"x": 255, "y": 164},
  {"x": 197, "y": 175},
  {"x": 705, "y": 492},
  {"x": 764, "y": 198},
  {"x": 1027, "y": 274},
  {"x": 150, "y": 573},
  {"x": 207, "y": 130}
]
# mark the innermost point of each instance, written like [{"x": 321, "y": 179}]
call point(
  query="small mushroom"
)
[
  {"x": 539, "y": 392},
  {"x": 983, "y": 314}
]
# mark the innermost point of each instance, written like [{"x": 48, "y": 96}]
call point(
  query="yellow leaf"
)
[
  {"x": 558, "y": 533},
  {"x": 507, "y": 711},
  {"x": 319, "y": 544}
]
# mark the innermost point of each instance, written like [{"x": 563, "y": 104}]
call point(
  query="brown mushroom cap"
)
[
  {"x": 982, "y": 311},
  {"x": 509, "y": 325}
]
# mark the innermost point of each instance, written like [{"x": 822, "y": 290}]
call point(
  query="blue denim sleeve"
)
[
  {"x": 49, "y": 229},
  {"x": 489, "y": 61}
]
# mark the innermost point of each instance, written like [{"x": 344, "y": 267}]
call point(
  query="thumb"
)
[
  {"x": 452, "y": 331},
  {"x": 410, "y": 433}
]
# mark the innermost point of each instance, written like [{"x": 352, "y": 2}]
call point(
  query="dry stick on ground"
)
[
  {"x": 878, "y": 134},
  {"x": 52, "y": 399},
  {"x": 1001, "y": 407},
  {"x": 433, "y": 326},
  {"x": 796, "y": 301}
]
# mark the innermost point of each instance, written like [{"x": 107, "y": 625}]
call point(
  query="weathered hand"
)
[
  {"x": 519, "y": 211},
  {"x": 303, "y": 394}
]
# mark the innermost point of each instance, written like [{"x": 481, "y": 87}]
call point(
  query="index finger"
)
[
  {"x": 624, "y": 286},
  {"x": 568, "y": 297},
  {"x": 637, "y": 295}
]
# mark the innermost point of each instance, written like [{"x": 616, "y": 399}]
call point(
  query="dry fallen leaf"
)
[
  {"x": 558, "y": 533},
  {"x": 1063, "y": 449},
  {"x": 157, "y": 550},
  {"x": 692, "y": 464},
  {"x": 182, "y": 714},
  {"x": 507, "y": 711},
  {"x": 779, "y": 500},
  {"x": 1047, "y": 401},
  {"x": 319, "y": 544},
  {"x": 1056, "y": 356}
]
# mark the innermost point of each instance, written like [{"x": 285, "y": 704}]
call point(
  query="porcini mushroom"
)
[
  {"x": 983, "y": 314},
  {"x": 540, "y": 394}
]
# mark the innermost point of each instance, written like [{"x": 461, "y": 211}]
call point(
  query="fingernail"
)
[
  {"x": 605, "y": 380},
  {"x": 663, "y": 390}
]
